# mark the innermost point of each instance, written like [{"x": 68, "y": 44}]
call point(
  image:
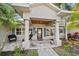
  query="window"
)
[
  {"x": 33, "y": 30},
  {"x": 30, "y": 30},
  {"x": 51, "y": 32},
  {"x": 18, "y": 31},
  {"x": 46, "y": 32},
  {"x": 61, "y": 30},
  {"x": 23, "y": 30}
]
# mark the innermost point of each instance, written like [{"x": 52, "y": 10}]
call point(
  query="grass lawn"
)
[
  {"x": 30, "y": 52},
  {"x": 63, "y": 52}
]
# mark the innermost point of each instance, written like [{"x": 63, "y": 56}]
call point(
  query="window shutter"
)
[{"x": 44, "y": 31}]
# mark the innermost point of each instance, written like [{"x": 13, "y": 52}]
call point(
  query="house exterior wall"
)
[
  {"x": 62, "y": 32},
  {"x": 4, "y": 32},
  {"x": 43, "y": 11},
  {"x": 42, "y": 26},
  {"x": 62, "y": 22},
  {"x": 20, "y": 37},
  {"x": 62, "y": 27}
]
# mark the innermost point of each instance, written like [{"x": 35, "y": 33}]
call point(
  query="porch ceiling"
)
[{"x": 41, "y": 21}]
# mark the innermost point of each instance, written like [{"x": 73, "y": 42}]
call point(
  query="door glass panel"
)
[{"x": 39, "y": 34}]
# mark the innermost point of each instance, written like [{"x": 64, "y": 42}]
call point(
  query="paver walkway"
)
[{"x": 47, "y": 52}]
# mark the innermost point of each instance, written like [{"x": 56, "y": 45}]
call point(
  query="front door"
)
[{"x": 39, "y": 34}]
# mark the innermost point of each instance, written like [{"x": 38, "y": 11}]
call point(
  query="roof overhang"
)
[
  {"x": 21, "y": 7},
  {"x": 25, "y": 7},
  {"x": 64, "y": 13},
  {"x": 53, "y": 6},
  {"x": 50, "y": 5}
]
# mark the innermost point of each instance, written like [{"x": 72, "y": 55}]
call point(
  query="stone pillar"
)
[
  {"x": 57, "y": 39},
  {"x": 26, "y": 43},
  {"x": 66, "y": 37}
]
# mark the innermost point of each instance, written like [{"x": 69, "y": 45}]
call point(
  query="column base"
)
[
  {"x": 26, "y": 45},
  {"x": 58, "y": 43}
]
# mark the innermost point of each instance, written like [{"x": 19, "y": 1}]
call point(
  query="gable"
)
[{"x": 43, "y": 11}]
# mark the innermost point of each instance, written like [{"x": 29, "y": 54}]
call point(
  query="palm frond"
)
[{"x": 7, "y": 15}]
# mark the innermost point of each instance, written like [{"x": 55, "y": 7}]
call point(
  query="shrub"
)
[
  {"x": 66, "y": 45},
  {"x": 17, "y": 51}
]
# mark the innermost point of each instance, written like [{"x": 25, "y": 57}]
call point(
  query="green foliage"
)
[
  {"x": 18, "y": 51},
  {"x": 7, "y": 16},
  {"x": 68, "y": 7},
  {"x": 76, "y": 7},
  {"x": 57, "y": 4},
  {"x": 64, "y": 6},
  {"x": 66, "y": 45},
  {"x": 30, "y": 52},
  {"x": 74, "y": 18},
  {"x": 73, "y": 25}
]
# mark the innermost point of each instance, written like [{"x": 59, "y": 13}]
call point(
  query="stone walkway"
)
[{"x": 47, "y": 52}]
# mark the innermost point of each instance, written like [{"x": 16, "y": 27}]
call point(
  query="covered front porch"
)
[
  {"x": 42, "y": 29},
  {"x": 34, "y": 44},
  {"x": 42, "y": 21},
  {"x": 44, "y": 33}
]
